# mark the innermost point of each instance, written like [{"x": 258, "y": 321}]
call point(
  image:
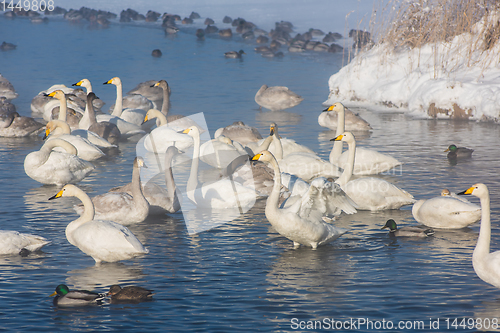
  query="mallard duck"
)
[
  {"x": 129, "y": 294},
  {"x": 455, "y": 152},
  {"x": 234, "y": 54},
  {"x": 408, "y": 231},
  {"x": 65, "y": 297},
  {"x": 486, "y": 264}
]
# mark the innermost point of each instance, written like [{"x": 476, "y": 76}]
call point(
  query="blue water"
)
[{"x": 241, "y": 275}]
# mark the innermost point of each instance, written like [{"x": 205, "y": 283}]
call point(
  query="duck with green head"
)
[
  {"x": 65, "y": 297},
  {"x": 408, "y": 231},
  {"x": 455, "y": 152}
]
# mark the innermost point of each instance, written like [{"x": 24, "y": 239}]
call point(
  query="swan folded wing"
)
[{"x": 11, "y": 242}]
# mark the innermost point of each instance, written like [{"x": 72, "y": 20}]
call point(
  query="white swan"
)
[
  {"x": 72, "y": 118},
  {"x": 288, "y": 146},
  {"x": 220, "y": 152},
  {"x": 164, "y": 136},
  {"x": 13, "y": 242},
  {"x": 122, "y": 207},
  {"x": 309, "y": 231},
  {"x": 367, "y": 161},
  {"x": 446, "y": 212},
  {"x": 85, "y": 149},
  {"x": 336, "y": 116},
  {"x": 85, "y": 121},
  {"x": 486, "y": 264},
  {"x": 102, "y": 240},
  {"x": 302, "y": 164},
  {"x": 220, "y": 194},
  {"x": 370, "y": 193},
  {"x": 277, "y": 98},
  {"x": 52, "y": 167},
  {"x": 134, "y": 116},
  {"x": 161, "y": 199}
]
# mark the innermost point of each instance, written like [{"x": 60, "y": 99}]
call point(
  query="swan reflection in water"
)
[{"x": 104, "y": 275}]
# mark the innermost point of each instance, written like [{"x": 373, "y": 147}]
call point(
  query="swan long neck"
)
[
  {"x": 265, "y": 144},
  {"x": 166, "y": 101},
  {"x": 136, "y": 183},
  {"x": 63, "y": 126},
  {"x": 117, "y": 111},
  {"x": 49, "y": 145},
  {"x": 193, "y": 175},
  {"x": 347, "y": 173},
  {"x": 169, "y": 177},
  {"x": 483, "y": 242},
  {"x": 278, "y": 147},
  {"x": 87, "y": 216},
  {"x": 160, "y": 116},
  {"x": 91, "y": 112},
  {"x": 63, "y": 109},
  {"x": 337, "y": 145},
  {"x": 273, "y": 200}
]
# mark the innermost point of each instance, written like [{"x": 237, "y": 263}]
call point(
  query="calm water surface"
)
[{"x": 242, "y": 275}]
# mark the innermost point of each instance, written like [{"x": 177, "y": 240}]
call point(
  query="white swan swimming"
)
[
  {"x": 370, "y": 193},
  {"x": 446, "y": 212},
  {"x": 161, "y": 199},
  {"x": 367, "y": 161},
  {"x": 133, "y": 116},
  {"x": 85, "y": 149},
  {"x": 164, "y": 136},
  {"x": 13, "y": 242},
  {"x": 277, "y": 98},
  {"x": 220, "y": 194},
  {"x": 122, "y": 207},
  {"x": 72, "y": 118},
  {"x": 336, "y": 116},
  {"x": 220, "y": 151},
  {"x": 85, "y": 121},
  {"x": 486, "y": 264},
  {"x": 302, "y": 164},
  {"x": 307, "y": 229},
  {"x": 47, "y": 166},
  {"x": 102, "y": 240}
]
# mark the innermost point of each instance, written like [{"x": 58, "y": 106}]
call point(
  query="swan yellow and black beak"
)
[
  {"x": 58, "y": 195},
  {"x": 256, "y": 157},
  {"x": 108, "y": 82},
  {"x": 156, "y": 84},
  {"x": 338, "y": 138},
  {"x": 52, "y": 94},
  {"x": 186, "y": 131},
  {"x": 47, "y": 133},
  {"x": 330, "y": 108},
  {"x": 467, "y": 191},
  {"x": 79, "y": 83},
  {"x": 272, "y": 129}
]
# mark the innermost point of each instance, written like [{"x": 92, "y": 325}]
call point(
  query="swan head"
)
[
  {"x": 82, "y": 83},
  {"x": 139, "y": 162},
  {"x": 451, "y": 148},
  {"x": 61, "y": 290},
  {"x": 152, "y": 113},
  {"x": 51, "y": 126},
  {"x": 68, "y": 190},
  {"x": 479, "y": 190},
  {"x": 337, "y": 107},
  {"x": 263, "y": 156},
  {"x": 162, "y": 84},
  {"x": 192, "y": 131},
  {"x": 59, "y": 94},
  {"x": 273, "y": 129},
  {"x": 391, "y": 224},
  {"x": 345, "y": 137},
  {"x": 225, "y": 139},
  {"x": 116, "y": 81}
]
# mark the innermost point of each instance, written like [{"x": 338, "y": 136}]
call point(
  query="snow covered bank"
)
[{"x": 455, "y": 79}]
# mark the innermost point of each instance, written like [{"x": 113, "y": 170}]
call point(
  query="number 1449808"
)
[{"x": 34, "y": 5}]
